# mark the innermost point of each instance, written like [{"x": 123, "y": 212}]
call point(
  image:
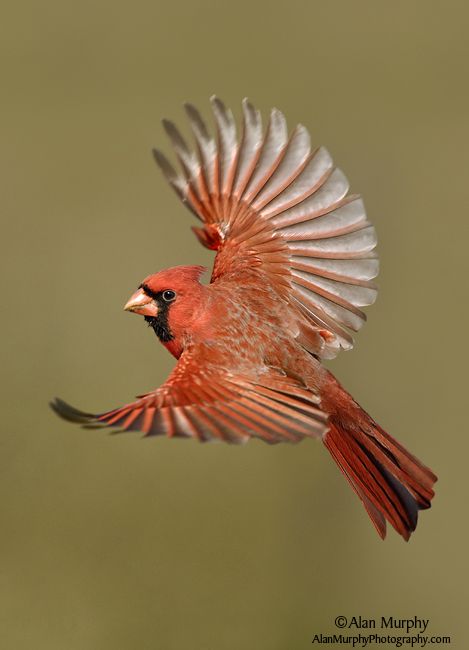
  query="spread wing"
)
[
  {"x": 267, "y": 201},
  {"x": 208, "y": 404}
]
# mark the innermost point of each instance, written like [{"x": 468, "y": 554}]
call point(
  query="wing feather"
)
[
  {"x": 295, "y": 158},
  {"x": 227, "y": 145},
  {"x": 250, "y": 149},
  {"x": 207, "y": 151},
  {"x": 273, "y": 149},
  {"x": 311, "y": 177}
]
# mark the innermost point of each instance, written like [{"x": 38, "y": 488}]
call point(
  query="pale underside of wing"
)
[
  {"x": 273, "y": 408},
  {"x": 267, "y": 200}
]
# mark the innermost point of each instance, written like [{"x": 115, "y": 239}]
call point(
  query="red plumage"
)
[{"x": 295, "y": 262}]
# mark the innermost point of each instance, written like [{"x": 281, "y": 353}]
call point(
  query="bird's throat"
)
[{"x": 160, "y": 326}]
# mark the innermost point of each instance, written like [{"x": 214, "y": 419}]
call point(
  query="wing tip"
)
[
  {"x": 161, "y": 160},
  {"x": 277, "y": 117},
  {"x": 176, "y": 138},
  {"x": 196, "y": 122},
  {"x": 70, "y": 413},
  {"x": 223, "y": 114},
  {"x": 252, "y": 116},
  {"x": 176, "y": 181}
]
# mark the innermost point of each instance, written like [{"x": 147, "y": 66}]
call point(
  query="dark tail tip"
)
[{"x": 392, "y": 484}]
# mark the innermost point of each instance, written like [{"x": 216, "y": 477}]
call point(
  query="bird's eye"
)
[{"x": 169, "y": 295}]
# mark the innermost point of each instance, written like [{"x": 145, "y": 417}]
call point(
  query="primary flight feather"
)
[{"x": 294, "y": 266}]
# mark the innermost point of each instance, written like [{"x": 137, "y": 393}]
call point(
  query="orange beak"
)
[{"x": 140, "y": 303}]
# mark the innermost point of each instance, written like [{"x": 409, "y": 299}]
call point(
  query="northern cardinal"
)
[{"x": 294, "y": 264}]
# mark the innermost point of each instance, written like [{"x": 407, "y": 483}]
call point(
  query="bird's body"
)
[
  {"x": 294, "y": 263},
  {"x": 242, "y": 323}
]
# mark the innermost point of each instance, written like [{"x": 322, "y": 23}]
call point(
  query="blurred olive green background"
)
[{"x": 114, "y": 542}]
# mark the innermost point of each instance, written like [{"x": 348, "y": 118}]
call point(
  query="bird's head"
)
[{"x": 169, "y": 301}]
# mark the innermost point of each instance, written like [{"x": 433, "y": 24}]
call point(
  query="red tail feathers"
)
[{"x": 391, "y": 483}]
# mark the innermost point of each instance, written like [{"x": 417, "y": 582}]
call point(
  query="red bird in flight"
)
[{"x": 294, "y": 265}]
